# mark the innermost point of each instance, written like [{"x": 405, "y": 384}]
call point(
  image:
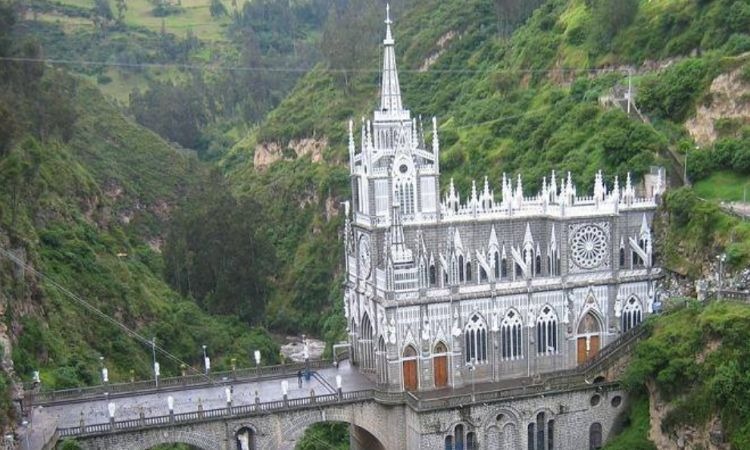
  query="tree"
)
[
  {"x": 608, "y": 18},
  {"x": 121, "y": 8},
  {"x": 103, "y": 9},
  {"x": 350, "y": 35},
  {"x": 217, "y": 8},
  {"x": 217, "y": 251}
]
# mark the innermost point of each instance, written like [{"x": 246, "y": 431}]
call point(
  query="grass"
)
[
  {"x": 725, "y": 186},
  {"x": 195, "y": 16}
]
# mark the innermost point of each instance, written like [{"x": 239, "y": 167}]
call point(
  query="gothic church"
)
[{"x": 483, "y": 287}]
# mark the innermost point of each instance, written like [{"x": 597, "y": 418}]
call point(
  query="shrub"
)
[
  {"x": 673, "y": 93},
  {"x": 741, "y": 159}
]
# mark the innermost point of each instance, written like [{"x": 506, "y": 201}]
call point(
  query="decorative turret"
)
[{"x": 351, "y": 145}]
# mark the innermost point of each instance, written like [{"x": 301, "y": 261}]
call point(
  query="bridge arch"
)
[
  {"x": 296, "y": 428},
  {"x": 199, "y": 440}
]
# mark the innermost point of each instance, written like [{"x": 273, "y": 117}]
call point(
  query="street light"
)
[
  {"x": 471, "y": 365},
  {"x": 105, "y": 372},
  {"x": 206, "y": 361},
  {"x": 156, "y": 364},
  {"x": 721, "y": 258}
]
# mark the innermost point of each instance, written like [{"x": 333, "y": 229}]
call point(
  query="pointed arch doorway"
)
[
  {"x": 409, "y": 367},
  {"x": 440, "y": 365},
  {"x": 589, "y": 337}
]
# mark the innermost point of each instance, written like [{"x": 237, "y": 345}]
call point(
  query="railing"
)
[
  {"x": 548, "y": 383},
  {"x": 326, "y": 400},
  {"x": 173, "y": 383},
  {"x": 729, "y": 294},
  {"x": 232, "y": 411}
]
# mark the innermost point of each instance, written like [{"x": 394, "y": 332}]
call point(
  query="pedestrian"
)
[{"x": 299, "y": 378}]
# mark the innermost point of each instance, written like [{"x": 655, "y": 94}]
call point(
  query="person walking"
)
[{"x": 299, "y": 378}]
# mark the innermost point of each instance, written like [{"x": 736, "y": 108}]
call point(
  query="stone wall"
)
[{"x": 502, "y": 424}]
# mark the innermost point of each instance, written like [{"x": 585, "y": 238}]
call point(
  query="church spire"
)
[{"x": 390, "y": 91}]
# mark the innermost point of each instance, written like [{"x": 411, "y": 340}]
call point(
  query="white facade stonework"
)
[{"x": 502, "y": 284}]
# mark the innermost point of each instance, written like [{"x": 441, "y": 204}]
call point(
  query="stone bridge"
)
[{"x": 575, "y": 408}]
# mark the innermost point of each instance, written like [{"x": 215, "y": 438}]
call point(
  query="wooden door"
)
[
  {"x": 441, "y": 371},
  {"x": 410, "y": 375},
  {"x": 594, "y": 347},
  {"x": 581, "y": 350}
]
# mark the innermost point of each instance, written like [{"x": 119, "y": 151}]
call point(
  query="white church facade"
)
[{"x": 440, "y": 291}]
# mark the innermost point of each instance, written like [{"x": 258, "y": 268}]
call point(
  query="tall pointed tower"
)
[{"x": 393, "y": 165}]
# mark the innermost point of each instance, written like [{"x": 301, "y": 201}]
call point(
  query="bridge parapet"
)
[{"x": 114, "y": 390}]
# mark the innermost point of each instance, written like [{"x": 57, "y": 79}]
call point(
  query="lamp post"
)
[
  {"x": 722, "y": 258},
  {"x": 105, "y": 372},
  {"x": 156, "y": 364},
  {"x": 206, "y": 361}
]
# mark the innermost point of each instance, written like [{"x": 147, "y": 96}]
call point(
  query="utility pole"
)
[
  {"x": 721, "y": 258},
  {"x": 630, "y": 89},
  {"x": 156, "y": 364}
]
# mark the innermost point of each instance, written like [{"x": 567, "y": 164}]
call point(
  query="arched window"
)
[
  {"x": 482, "y": 274},
  {"x": 530, "y": 436},
  {"x": 468, "y": 271},
  {"x": 475, "y": 340},
  {"x": 538, "y": 265},
  {"x": 519, "y": 270},
  {"x": 458, "y": 432},
  {"x": 471, "y": 441},
  {"x": 246, "y": 438},
  {"x": 461, "y": 268},
  {"x": 632, "y": 314},
  {"x": 449, "y": 442},
  {"x": 546, "y": 332},
  {"x": 622, "y": 256},
  {"x": 433, "y": 275},
  {"x": 551, "y": 435},
  {"x": 504, "y": 268},
  {"x": 595, "y": 436},
  {"x": 540, "y": 429},
  {"x": 510, "y": 332},
  {"x": 366, "y": 343}
]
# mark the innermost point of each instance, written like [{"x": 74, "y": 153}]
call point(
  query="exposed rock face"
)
[
  {"x": 268, "y": 153},
  {"x": 441, "y": 45},
  {"x": 730, "y": 99},
  {"x": 707, "y": 437}
]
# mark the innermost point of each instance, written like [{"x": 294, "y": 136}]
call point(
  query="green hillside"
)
[
  {"x": 264, "y": 89},
  {"x": 86, "y": 201}
]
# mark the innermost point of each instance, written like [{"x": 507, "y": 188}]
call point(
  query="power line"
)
[
  {"x": 99, "y": 313},
  {"x": 73, "y": 62}
]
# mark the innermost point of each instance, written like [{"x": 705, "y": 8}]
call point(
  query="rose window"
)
[{"x": 589, "y": 247}]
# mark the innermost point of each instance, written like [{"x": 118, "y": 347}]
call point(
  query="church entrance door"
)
[
  {"x": 589, "y": 337},
  {"x": 440, "y": 365},
  {"x": 594, "y": 346},
  {"x": 410, "y": 369},
  {"x": 581, "y": 350}
]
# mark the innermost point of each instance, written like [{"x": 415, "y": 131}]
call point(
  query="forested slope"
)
[{"x": 87, "y": 195}]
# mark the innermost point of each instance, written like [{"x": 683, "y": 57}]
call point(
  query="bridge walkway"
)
[{"x": 142, "y": 410}]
